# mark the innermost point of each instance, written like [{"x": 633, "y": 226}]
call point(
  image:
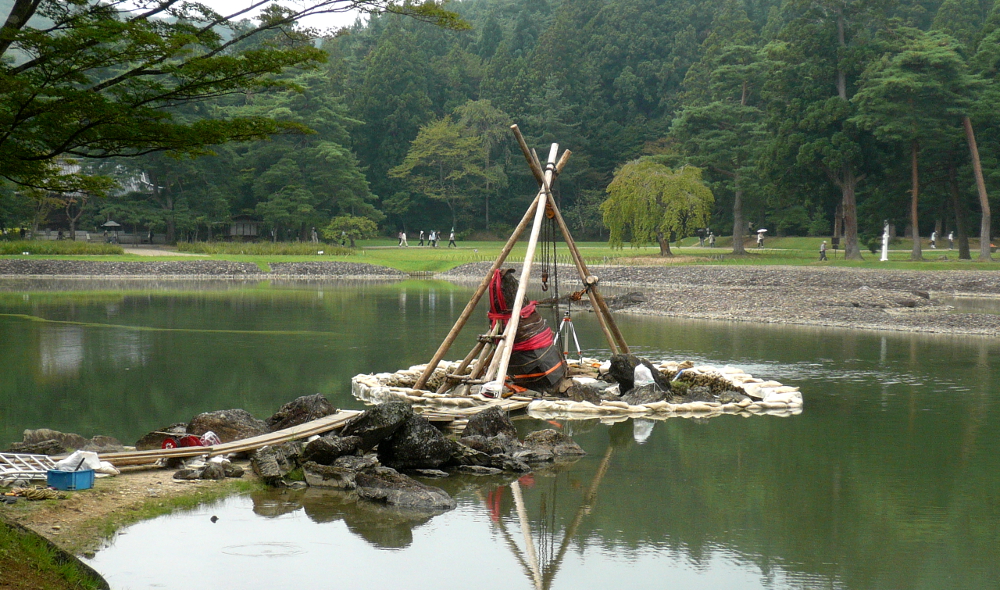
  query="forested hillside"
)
[{"x": 800, "y": 113}]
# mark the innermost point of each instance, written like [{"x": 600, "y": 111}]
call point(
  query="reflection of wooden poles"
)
[
  {"x": 611, "y": 332},
  {"x": 501, "y": 358},
  {"x": 522, "y": 514},
  {"x": 471, "y": 306},
  {"x": 588, "y": 500},
  {"x": 508, "y": 538}
]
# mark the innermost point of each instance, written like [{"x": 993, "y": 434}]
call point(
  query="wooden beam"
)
[
  {"x": 616, "y": 341},
  {"x": 498, "y": 371},
  {"x": 485, "y": 283}
]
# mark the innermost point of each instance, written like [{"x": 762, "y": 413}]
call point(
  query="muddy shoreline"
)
[{"x": 869, "y": 298}]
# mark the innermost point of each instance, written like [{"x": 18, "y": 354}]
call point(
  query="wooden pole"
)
[
  {"x": 607, "y": 322},
  {"x": 501, "y": 358},
  {"x": 604, "y": 317},
  {"x": 471, "y": 306},
  {"x": 480, "y": 347},
  {"x": 529, "y": 544}
]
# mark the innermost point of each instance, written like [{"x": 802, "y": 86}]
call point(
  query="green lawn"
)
[{"x": 784, "y": 251}]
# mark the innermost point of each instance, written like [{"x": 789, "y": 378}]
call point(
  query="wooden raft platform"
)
[{"x": 761, "y": 397}]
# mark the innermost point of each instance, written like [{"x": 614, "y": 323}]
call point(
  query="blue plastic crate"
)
[{"x": 70, "y": 480}]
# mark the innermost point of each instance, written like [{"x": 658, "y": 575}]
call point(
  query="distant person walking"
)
[
  {"x": 951, "y": 240},
  {"x": 421, "y": 238},
  {"x": 451, "y": 239},
  {"x": 760, "y": 239},
  {"x": 431, "y": 239},
  {"x": 711, "y": 240},
  {"x": 402, "y": 239},
  {"x": 315, "y": 236},
  {"x": 933, "y": 239},
  {"x": 822, "y": 251}
]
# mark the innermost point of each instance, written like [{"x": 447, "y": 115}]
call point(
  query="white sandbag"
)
[
  {"x": 79, "y": 461},
  {"x": 642, "y": 375}
]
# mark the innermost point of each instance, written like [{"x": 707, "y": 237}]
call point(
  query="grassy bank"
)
[
  {"x": 30, "y": 562},
  {"x": 385, "y": 252}
]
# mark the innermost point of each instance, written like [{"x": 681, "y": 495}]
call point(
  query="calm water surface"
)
[{"x": 890, "y": 477}]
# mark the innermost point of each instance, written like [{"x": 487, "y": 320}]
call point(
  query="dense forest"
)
[{"x": 806, "y": 117}]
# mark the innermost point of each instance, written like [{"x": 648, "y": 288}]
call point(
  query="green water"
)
[{"x": 888, "y": 479}]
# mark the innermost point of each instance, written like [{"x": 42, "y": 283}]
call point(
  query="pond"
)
[{"x": 888, "y": 479}]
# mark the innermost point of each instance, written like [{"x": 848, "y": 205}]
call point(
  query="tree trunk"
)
[
  {"x": 738, "y": 223},
  {"x": 664, "y": 244},
  {"x": 961, "y": 214},
  {"x": 916, "y": 253},
  {"x": 984, "y": 203},
  {"x": 847, "y": 188}
]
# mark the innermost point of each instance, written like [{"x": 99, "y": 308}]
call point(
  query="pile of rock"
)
[
  {"x": 230, "y": 425},
  {"x": 45, "y": 441},
  {"x": 370, "y": 453}
]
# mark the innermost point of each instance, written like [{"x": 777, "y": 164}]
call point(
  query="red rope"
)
[{"x": 540, "y": 340}]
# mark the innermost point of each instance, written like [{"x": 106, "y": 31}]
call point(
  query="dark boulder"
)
[
  {"x": 552, "y": 442},
  {"x": 188, "y": 474},
  {"x": 45, "y": 447},
  {"x": 463, "y": 454},
  {"x": 644, "y": 394},
  {"x": 341, "y": 474},
  {"x": 383, "y": 484},
  {"x": 273, "y": 462},
  {"x": 489, "y": 423},
  {"x": 213, "y": 471},
  {"x": 299, "y": 411},
  {"x": 586, "y": 392},
  {"x": 326, "y": 449},
  {"x": 228, "y": 425},
  {"x": 68, "y": 440},
  {"x": 415, "y": 445},
  {"x": 495, "y": 445},
  {"x": 154, "y": 440},
  {"x": 479, "y": 470},
  {"x": 623, "y": 367},
  {"x": 377, "y": 423}
]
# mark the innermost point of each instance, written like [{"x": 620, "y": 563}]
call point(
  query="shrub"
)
[{"x": 59, "y": 247}]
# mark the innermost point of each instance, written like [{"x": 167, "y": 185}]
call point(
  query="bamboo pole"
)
[
  {"x": 506, "y": 346},
  {"x": 480, "y": 347},
  {"x": 607, "y": 322},
  {"x": 529, "y": 545},
  {"x": 292, "y": 433},
  {"x": 471, "y": 306}
]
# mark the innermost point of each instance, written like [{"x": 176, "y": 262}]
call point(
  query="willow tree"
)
[{"x": 650, "y": 200}]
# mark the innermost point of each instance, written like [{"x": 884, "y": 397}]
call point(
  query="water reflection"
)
[{"x": 888, "y": 478}]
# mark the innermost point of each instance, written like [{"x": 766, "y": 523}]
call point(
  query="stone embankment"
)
[
  {"x": 831, "y": 296},
  {"x": 26, "y": 267}
]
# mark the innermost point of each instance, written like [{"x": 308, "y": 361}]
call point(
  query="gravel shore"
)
[
  {"x": 916, "y": 301},
  {"x": 22, "y": 267}
]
